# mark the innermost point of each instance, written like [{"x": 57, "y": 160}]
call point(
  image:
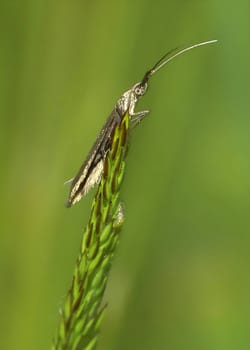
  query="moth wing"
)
[{"x": 91, "y": 170}]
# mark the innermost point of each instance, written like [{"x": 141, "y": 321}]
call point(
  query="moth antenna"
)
[{"x": 169, "y": 56}]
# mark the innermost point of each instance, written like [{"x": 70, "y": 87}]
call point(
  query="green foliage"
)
[
  {"x": 181, "y": 280},
  {"x": 82, "y": 313}
]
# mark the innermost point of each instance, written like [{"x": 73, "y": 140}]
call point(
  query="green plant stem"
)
[{"x": 82, "y": 312}]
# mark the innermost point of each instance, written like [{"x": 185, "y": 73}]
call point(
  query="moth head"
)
[
  {"x": 130, "y": 97},
  {"x": 140, "y": 89}
]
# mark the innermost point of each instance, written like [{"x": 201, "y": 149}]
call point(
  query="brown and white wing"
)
[{"x": 91, "y": 171}]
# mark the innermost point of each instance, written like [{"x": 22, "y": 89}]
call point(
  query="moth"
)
[{"x": 91, "y": 170}]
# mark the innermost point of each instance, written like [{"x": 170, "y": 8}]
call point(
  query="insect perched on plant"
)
[{"x": 91, "y": 171}]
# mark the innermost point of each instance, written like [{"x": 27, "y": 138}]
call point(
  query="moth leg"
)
[
  {"x": 68, "y": 182},
  {"x": 137, "y": 117}
]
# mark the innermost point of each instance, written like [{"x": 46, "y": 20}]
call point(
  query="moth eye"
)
[{"x": 140, "y": 90}]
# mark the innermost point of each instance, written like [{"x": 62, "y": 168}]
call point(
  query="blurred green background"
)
[{"x": 180, "y": 279}]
